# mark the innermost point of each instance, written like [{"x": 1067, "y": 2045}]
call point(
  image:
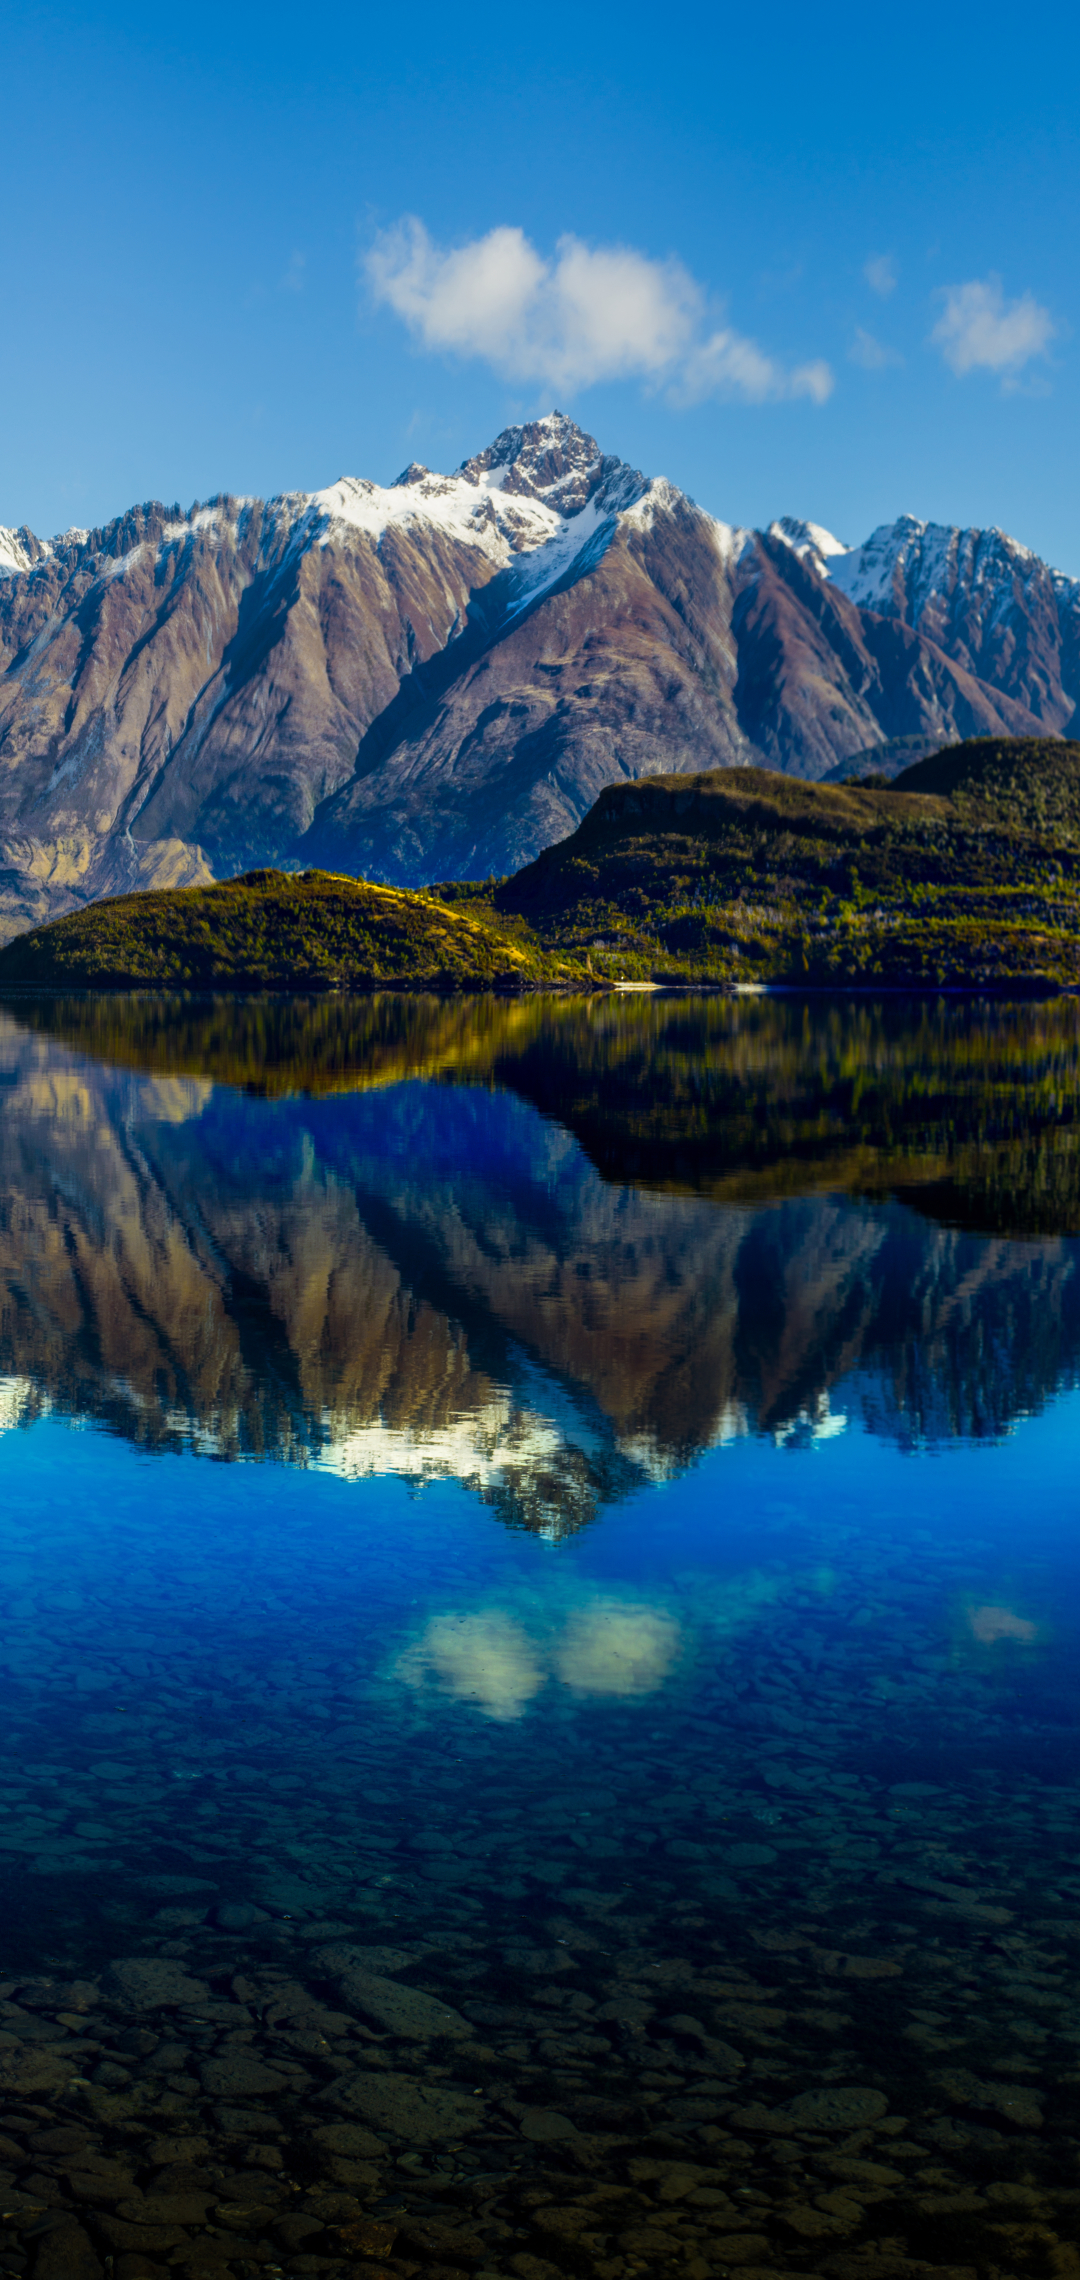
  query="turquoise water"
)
[{"x": 539, "y": 1669}]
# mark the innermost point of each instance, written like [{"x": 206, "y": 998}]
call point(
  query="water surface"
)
[{"x": 539, "y": 1661}]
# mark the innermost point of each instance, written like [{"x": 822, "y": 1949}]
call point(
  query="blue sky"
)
[{"x": 802, "y": 260}]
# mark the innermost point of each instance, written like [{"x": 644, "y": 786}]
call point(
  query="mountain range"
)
[{"x": 436, "y": 679}]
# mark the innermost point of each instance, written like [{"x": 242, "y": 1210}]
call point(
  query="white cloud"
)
[
  {"x": 728, "y": 365},
  {"x": 880, "y": 275},
  {"x": 871, "y": 353},
  {"x": 293, "y": 279},
  {"x": 586, "y": 314},
  {"x": 979, "y": 330}
]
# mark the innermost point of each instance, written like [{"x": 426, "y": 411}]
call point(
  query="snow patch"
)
[
  {"x": 201, "y": 518},
  {"x": 121, "y": 563},
  {"x": 1066, "y": 589},
  {"x": 14, "y": 559},
  {"x": 807, "y": 538},
  {"x": 474, "y": 512},
  {"x": 733, "y": 541},
  {"x": 579, "y": 546}
]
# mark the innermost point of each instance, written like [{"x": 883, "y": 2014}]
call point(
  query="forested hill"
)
[{"x": 965, "y": 870}]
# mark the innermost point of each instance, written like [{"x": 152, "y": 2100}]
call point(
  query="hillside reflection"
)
[
  {"x": 970, "y": 1109},
  {"x": 551, "y": 1249}
]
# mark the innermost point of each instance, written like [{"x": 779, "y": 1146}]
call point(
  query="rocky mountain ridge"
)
[{"x": 437, "y": 677}]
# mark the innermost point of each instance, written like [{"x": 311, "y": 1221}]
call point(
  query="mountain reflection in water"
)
[{"x": 552, "y": 1249}]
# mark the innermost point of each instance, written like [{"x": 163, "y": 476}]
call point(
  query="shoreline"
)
[{"x": 589, "y": 986}]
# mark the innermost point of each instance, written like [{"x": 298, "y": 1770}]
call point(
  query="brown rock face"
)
[
  {"x": 437, "y": 678},
  {"x": 820, "y": 677},
  {"x": 501, "y": 744}
]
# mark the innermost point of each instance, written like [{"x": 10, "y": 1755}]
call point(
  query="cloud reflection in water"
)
[
  {"x": 615, "y": 1649},
  {"x": 990, "y": 1624},
  {"x": 486, "y": 1659}
]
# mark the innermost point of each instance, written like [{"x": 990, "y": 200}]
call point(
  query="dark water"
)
[{"x": 539, "y": 1664}]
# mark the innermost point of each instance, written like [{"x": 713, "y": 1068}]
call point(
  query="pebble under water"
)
[{"x": 539, "y": 1663}]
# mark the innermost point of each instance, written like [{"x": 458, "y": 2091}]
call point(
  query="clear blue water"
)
[{"x": 636, "y": 1609}]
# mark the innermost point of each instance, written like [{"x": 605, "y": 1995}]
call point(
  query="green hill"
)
[
  {"x": 1022, "y": 783},
  {"x": 964, "y": 871},
  {"x": 271, "y": 930}
]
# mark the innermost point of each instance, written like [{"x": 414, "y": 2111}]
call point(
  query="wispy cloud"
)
[
  {"x": 293, "y": 279},
  {"x": 874, "y": 355},
  {"x": 565, "y": 321},
  {"x": 979, "y": 330},
  {"x": 726, "y": 364},
  {"x": 880, "y": 274}
]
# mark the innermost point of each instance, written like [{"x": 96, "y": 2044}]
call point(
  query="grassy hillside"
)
[
  {"x": 271, "y": 930},
  {"x": 964, "y": 871}
]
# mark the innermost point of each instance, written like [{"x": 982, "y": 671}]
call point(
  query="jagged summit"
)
[
  {"x": 510, "y": 500},
  {"x": 549, "y": 459},
  {"x": 20, "y": 549},
  {"x": 907, "y": 565}
]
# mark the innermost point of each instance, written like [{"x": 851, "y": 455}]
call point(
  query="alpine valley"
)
[{"x": 436, "y": 680}]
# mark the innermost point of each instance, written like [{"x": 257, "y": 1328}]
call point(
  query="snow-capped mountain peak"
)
[
  {"x": 542, "y": 482},
  {"x": 19, "y": 550},
  {"x": 908, "y": 567},
  {"x": 551, "y": 460},
  {"x": 434, "y": 677},
  {"x": 807, "y": 538}
]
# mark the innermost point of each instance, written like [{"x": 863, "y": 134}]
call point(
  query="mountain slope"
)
[
  {"x": 438, "y": 677},
  {"x": 622, "y": 669},
  {"x": 965, "y": 872},
  {"x": 821, "y": 678}
]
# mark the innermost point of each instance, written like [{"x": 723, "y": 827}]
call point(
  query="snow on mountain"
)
[
  {"x": 542, "y": 490},
  {"x": 545, "y": 490},
  {"x": 541, "y": 486},
  {"x": 475, "y": 512},
  {"x": 808, "y": 538},
  {"x": 14, "y": 557},
  {"x": 906, "y": 567}
]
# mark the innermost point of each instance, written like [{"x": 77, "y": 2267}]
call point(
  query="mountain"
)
[{"x": 438, "y": 677}]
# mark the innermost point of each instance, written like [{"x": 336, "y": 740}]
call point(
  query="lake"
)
[{"x": 539, "y": 1668}]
